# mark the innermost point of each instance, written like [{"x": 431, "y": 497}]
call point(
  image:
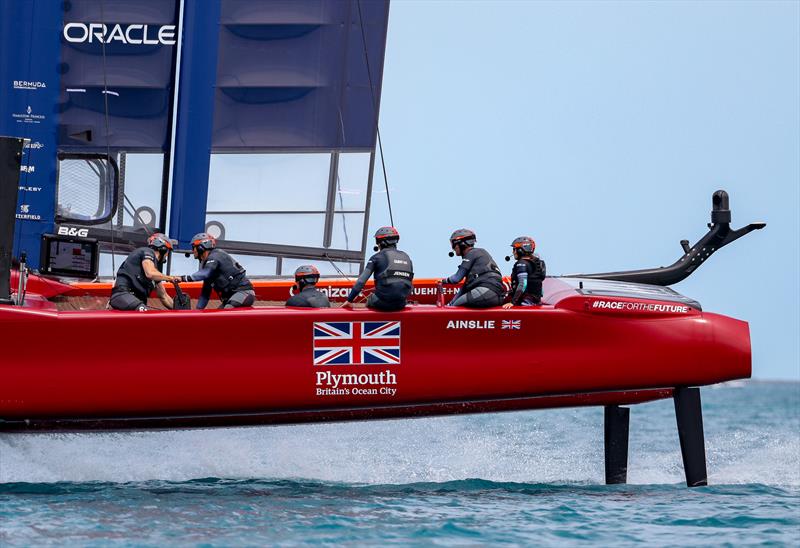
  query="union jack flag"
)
[
  {"x": 511, "y": 324},
  {"x": 356, "y": 343}
]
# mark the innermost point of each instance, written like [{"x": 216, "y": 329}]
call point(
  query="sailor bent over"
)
[
  {"x": 139, "y": 275},
  {"x": 219, "y": 271},
  {"x": 483, "y": 285}
]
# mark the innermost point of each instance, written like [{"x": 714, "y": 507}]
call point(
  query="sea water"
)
[{"x": 526, "y": 478}]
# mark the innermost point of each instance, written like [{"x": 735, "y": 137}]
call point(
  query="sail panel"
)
[
  {"x": 117, "y": 57},
  {"x": 292, "y": 75}
]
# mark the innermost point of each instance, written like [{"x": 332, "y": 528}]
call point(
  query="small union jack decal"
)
[
  {"x": 356, "y": 343},
  {"x": 511, "y": 324}
]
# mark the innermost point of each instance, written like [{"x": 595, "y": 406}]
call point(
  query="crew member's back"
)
[
  {"x": 307, "y": 296},
  {"x": 393, "y": 271}
]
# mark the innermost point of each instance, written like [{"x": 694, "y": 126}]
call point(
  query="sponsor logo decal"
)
[
  {"x": 132, "y": 34},
  {"x": 71, "y": 231},
  {"x": 357, "y": 384},
  {"x": 342, "y": 292},
  {"x": 24, "y": 84},
  {"x": 624, "y": 306},
  {"x": 26, "y": 215},
  {"x": 356, "y": 343},
  {"x": 341, "y": 344},
  {"x": 30, "y": 189},
  {"x": 27, "y": 169},
  {"x": 31, "y": 146},
  {"x": 28, "y": 117}
]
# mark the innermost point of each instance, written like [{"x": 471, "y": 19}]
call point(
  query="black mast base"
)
[
  {"x": 689, "y": 415},
  {"x": 617, "y": 420}
]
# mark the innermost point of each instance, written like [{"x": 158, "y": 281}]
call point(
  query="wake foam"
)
[{"x": 557, "y": 446}]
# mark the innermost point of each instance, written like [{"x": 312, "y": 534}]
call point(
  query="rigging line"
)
[
  {"x": 344, "y": 216},
  {"x": 108, "y": 132},
  {"x": 375, "y": 110},
  {"x": 339, "y": 270}
]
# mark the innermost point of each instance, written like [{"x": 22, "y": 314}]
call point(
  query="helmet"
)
[
  {"x": 462, "y": 236},
  {"x": 307, "y": 273},
  {"x": 203, "y": 242},
  {"x": 159, "y": 242},
  {"x": 524, "y": 244},
  {"x": 387, "y": 234}
]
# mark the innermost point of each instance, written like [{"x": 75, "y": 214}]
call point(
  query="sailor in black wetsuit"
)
[
  {"x": 307, "y": 296},
  {"x": 393, "y": 274},
  {"x": 527, "y": 275},
  {"x": 219, "y": 271},
  {"x": 483, "y": 287},
  {"x": 139, "y": 275}
]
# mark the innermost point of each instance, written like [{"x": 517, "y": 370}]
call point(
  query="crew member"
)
[
  {"x": 527, "y": 275},
  {"x": 219, "y": 271},
  {"x": 393, "y": 274},
  {"x": 140, "y": 274},
  {"x": 483, "y": 285},
  {"x": 307, "y": 296}
]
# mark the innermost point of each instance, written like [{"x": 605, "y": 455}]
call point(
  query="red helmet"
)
[
  {"x": 306, "y": 272},
  {"x": 159, "y": 242},
  {"x": 387, "y": 234},
  {"x": 204, "y": 242},
  {"x": 524, "y": 244}
]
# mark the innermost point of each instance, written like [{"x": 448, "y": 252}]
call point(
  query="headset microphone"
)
[
  {"x": 451, "y": 254},
  {"x": 508, "y": 258}
]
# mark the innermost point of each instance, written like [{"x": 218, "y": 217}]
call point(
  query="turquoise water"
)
[{"x": 516, "y": 478}]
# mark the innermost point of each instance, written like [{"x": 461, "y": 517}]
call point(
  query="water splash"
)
[{"x": 538, "y": 447}]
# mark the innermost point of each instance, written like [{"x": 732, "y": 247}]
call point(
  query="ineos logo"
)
[
  {"x": 70, "y": 231},
  {"x": 128, "y": 34}
]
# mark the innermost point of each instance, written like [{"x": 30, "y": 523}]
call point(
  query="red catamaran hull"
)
[{"x": 109, "y": 369}]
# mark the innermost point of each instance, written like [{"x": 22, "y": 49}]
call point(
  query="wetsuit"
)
[
  {"x": 219, "y": 271},
  {"x": 483, "y": 286},
  {"x": 309, "y": 297},
  {"x": 393, "y": 280},
  {"x": 133, "y": 287},
  {"x": 526, "y": 281}
]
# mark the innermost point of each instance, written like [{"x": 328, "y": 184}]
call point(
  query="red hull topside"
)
[{"x": 109, "y": 369}]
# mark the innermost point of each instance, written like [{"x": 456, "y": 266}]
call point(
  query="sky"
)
[{"x": 601, "y": 129}]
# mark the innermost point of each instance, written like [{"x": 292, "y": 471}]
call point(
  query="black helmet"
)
[
  {"x": 159, "y": 242},
  {"x": 203, "y": 242},
  {"x": 524, "y": 244},
  {"x": 386, "y": 235},
  {"x": 306, "y": 273},
  {"x": 462, "y": 236}
]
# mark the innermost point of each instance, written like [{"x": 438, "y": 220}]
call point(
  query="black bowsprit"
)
[{"x": 719, "y": 235}]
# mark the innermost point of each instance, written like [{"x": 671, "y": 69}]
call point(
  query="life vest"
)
[
  {"x": 483, "y": 271},
  {"x": 228, "y": 275},
  {"x": 131, "y": 276},
  {"x": 536, "y": 270},
  {"x": 398, "y": 271},
  {"x": 309, "y": 297}
]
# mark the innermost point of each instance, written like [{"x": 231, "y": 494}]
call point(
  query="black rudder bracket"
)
[
  {"x": 617, "y": 420},
  {"x": 689, "y": 415}
]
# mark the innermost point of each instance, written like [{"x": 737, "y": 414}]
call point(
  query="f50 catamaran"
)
[{"x": 295, "y": 81}]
